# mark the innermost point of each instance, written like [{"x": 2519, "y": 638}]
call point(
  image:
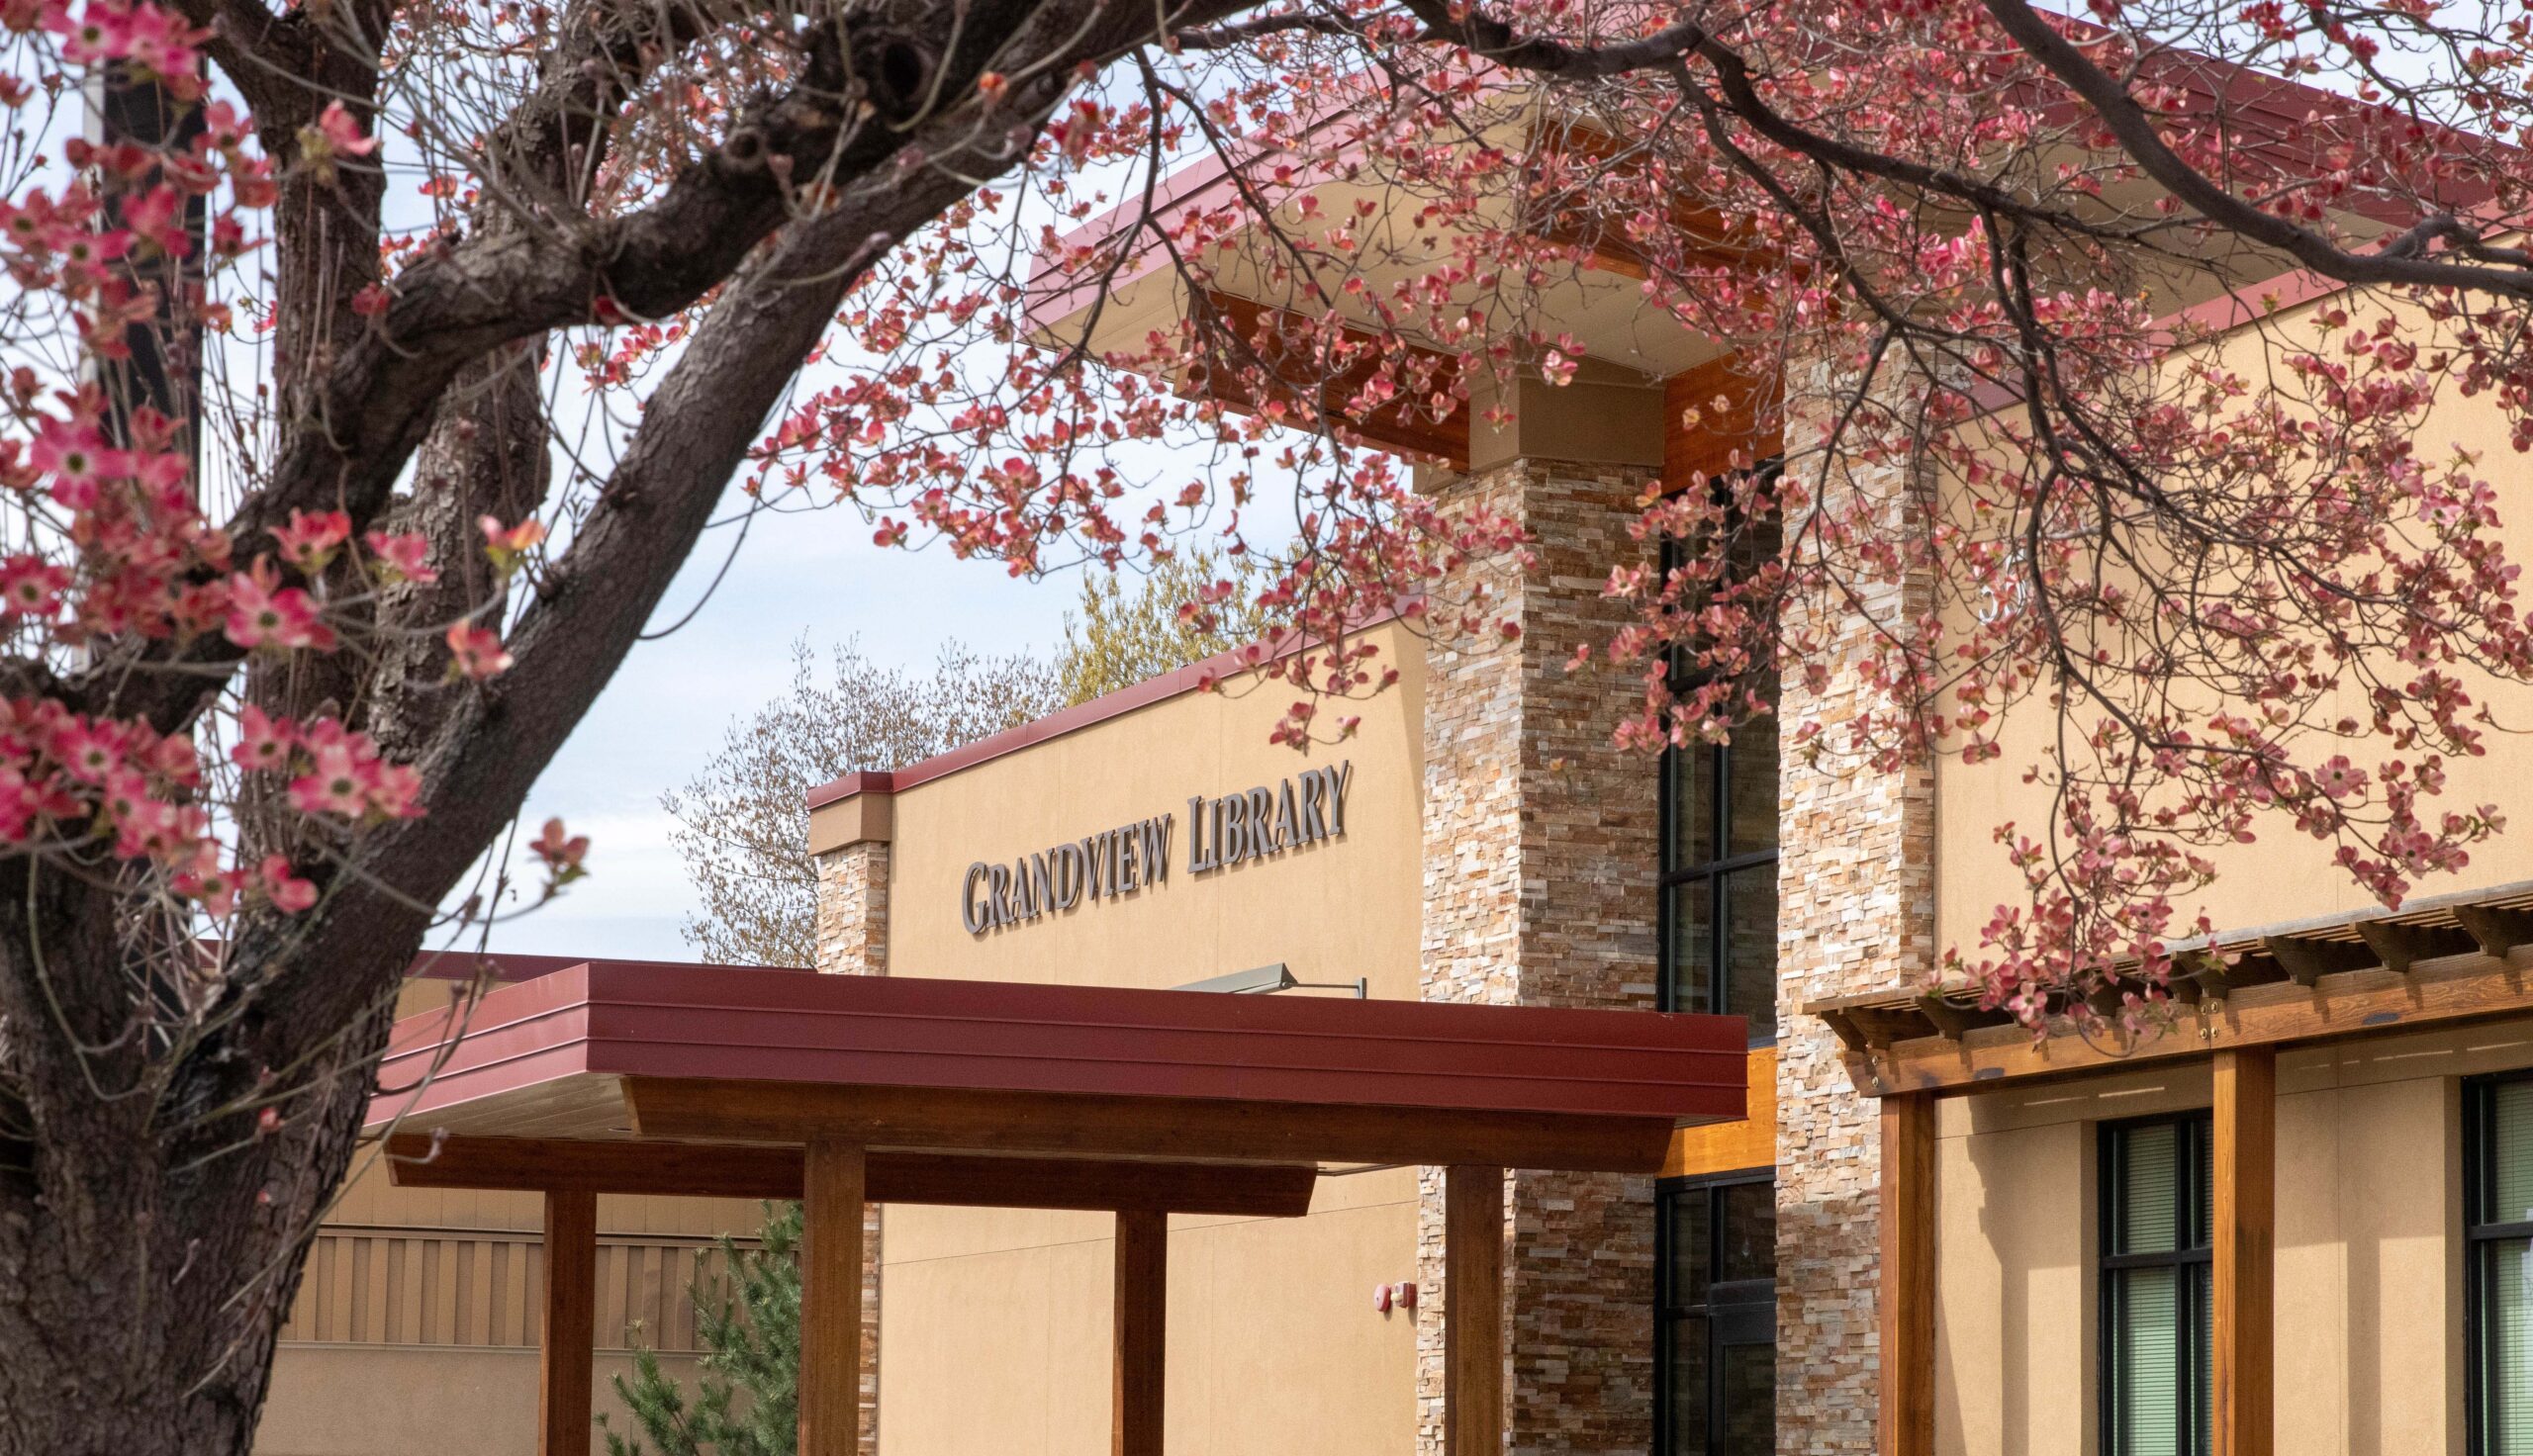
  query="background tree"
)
[
  {"x": 743, "y": 820},
  {"x": 1191, "y": 607},
  {"x": 496, "y": 301},
  {"x": 746, "y": 1400}
]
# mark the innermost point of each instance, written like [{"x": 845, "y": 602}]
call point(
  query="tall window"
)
[
  {"x": 2155, "y": 1288},
  {"x": 1715, "y": 1328},
  {"x": 2497, "y": 1182},
  {"x": 1719, "y": 911}
]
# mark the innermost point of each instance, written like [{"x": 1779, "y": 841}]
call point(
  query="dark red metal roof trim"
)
[{"x": 651, "y": 1020}]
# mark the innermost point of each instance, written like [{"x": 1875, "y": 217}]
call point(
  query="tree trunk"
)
[{"x": 150, "y": 1243}]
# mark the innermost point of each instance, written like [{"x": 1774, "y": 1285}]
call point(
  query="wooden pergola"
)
[{"x": 844, "y": 1091}]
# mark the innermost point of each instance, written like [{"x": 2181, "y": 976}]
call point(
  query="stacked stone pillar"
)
[
  {"x": 1541, "y": 852},
  {"x": 1856, "y": 913},
  {"x": 849, "y": 839}
]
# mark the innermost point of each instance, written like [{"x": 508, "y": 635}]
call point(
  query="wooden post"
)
[
  {"x": 1473, "y": 1311},
  {"x": 569, "y": 1346},
  {"x": 2242, "y": 1350},
  {"x": 831, "y": 1186},
  {"x": 1142, "y": 1333},
  {"x": 1907, "y": 1299}
]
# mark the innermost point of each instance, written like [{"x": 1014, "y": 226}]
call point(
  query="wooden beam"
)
[
  {"x": 2498, "y": 929},
  {"x": 731, "y": 1170},
  {"x": 1142, "y": 1334},
  {"x": 2276, "y": 1014},
  {"x": 831, "y": 1300},
  {"x": 2399, "y": 947},
  {"x": 2243, "y": 1351},
  {"x": 2306, "y": 961},
  {"x": 1473, "y": 1311},
  {"x": 1104, "y": 1126},
  {"x": 1905, "y": 1300},
  {"x": 568, "y": 1347},
  {"x": 1736, "y": 1146}
]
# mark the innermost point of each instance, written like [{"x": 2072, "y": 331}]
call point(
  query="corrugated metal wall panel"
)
[{"x": 443, "y": 1287}]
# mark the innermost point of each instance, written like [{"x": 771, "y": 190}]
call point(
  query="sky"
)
[{"x": 816, "y": 574}]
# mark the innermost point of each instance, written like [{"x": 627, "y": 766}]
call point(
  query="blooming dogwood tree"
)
[{"x": 354, "y": 431}]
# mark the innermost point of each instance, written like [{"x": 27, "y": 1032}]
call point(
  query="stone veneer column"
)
[
  {"x": 1540, "y": 844},
  {"x": 848, "y": 841},
  {"x": 1856, "y": 896}
]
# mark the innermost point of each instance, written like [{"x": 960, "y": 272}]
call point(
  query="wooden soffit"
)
[{"x": 707, "y": 1170}]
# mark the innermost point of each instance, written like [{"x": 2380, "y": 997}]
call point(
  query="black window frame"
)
[
  {"x": 1668, "y": 1312},
  {"x": 1671, "y": 877},
  {"x": 2194, "y": 1152},
  {"x": 2480, "y": 1192}
]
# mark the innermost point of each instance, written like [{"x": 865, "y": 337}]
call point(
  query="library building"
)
[{"x": 1469, "y": 1086}]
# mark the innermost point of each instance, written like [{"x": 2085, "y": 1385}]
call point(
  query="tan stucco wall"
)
[
  {"x": 2369, "y": 1270},
  {"x": 1333, "y": 910},
  {"x": 2287, "y": 876},
  {"x": 996, "y": 1324},
  {"x": 358, "y": 1400}
]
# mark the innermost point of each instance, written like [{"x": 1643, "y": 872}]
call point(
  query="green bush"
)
[{"x": 747, "y": 1387}]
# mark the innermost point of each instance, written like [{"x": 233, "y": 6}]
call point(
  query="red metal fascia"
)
[{"x": 650, "y": 1019}]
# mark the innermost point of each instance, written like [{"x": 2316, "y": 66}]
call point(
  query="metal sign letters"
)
[{"x": 1236, "y": 828}]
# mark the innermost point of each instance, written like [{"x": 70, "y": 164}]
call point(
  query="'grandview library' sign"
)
[{"x": 1222, "y": 832}]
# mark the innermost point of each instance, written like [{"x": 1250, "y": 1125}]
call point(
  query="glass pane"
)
[
  {"x": 1691, "y": 1247},
  {"x": 2510, "y": 1179},
  {"x": 2507, "y": 1297},
  {"x": 1748, "y": 1389},
  {"x": 2146, "y": 1362},
  {"x": 2146, "y": 1170},
  {"x": 1692, "y": 772},
  {"x": 2202, "y": 1161},
  {"x": 2202, "y": 1285},
  {"x": 1751, "y": 949},
  {"x": 1749, "y": 1214},
  {"x": 1753, "y": 775},
  {"x": 1688, "y": 1388},
  {"x": 1692, "y": 959}
]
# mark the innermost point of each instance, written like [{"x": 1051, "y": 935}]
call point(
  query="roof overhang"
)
[{"x": 973, "y": 1091}]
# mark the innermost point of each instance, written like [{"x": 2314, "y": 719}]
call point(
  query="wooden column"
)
[
  {"x": 1142, "y": 1333},
  {"x": 2242, "y": 1351},
  {"x": 831, "y": 1186},
  {"x": 1473, "y": 1311},
  {"x": 568, "y": 1347},
  {"x": 1906, "y": 1302}
]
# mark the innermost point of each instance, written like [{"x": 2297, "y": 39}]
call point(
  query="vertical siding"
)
[{"x": 423, "y": 1286}]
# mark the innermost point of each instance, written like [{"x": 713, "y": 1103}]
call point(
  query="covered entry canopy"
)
[{"x": 631, "y": 1077}]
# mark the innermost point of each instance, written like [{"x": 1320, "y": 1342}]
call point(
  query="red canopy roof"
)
[{"x": 562, "y": 1055}]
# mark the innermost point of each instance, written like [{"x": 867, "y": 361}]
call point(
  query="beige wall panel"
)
[
  {"x": 2314, "y": 1341},
  {"x": 1333, "y": 910},
  {"x": 1274, "y": 1346},
  {"x": 2014, "y": 1291},
  {"x": 2287, "y": 874},
  {"x": 2401, "y": 1205},
  {"x": 1004, "y": 1353},
  {"x": 389, "y": 1401}
]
